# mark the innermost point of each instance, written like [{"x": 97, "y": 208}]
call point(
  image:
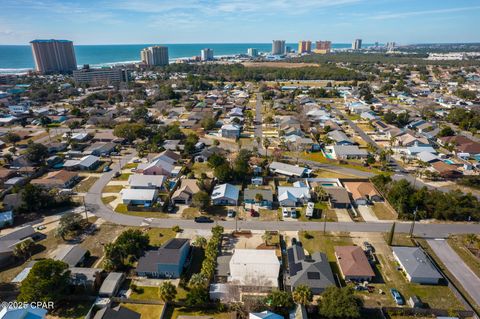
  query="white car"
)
[
  {"x": 310, "y": 209},
  {"x": 286, "y": 212}
]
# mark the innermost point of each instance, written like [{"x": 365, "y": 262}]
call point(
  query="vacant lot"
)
[
  {"x": 173, "y": 313},
  {"x": 146, "y": 311},
  {"x": 278, "y": 65},
  {"x": 383, "y": 211},
  {"x": 459, "y": 244},
  {"x": 85, "y": 184}
]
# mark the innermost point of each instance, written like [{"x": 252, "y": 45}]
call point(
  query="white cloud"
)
[{"x": 395, "y": 15}]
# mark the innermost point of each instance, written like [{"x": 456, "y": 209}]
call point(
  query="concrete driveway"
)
[{"x": 453, "y": 262}]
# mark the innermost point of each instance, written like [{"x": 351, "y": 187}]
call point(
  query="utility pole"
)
[
  {"x": 85, "y": 208},
  {"x": 325, "y": 222},
  {"x": 413, "y": 223}
]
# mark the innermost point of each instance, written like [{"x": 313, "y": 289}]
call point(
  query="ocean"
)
[{"x": 18, "y": 58}]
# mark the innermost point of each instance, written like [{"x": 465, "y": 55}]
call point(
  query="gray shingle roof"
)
[{"x": 416, "y": 263}]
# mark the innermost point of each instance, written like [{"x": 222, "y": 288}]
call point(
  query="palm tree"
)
[
  {"x": 302, "y": 295},
  {"x": 198, "y": 280},
  {"x": 167, "y": 291},
  {"x": 470, "y": 239},
  {"x": 320, "y": 192},
  {"x": 266, "y": 237},
  {"x": 266, "y": 144}
]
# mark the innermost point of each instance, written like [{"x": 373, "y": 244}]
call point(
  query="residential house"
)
[
  {"x": 184, "y": 193},
  {"x": 163, "y": 164},
  {"x": 57, "y": 179},
  {"x": 292, "y": 196},
  {"x": 257, "y": 268},
  {"x": 264, "y": 315},
  {"x": 167, "y": 261},
  {"x": 344, "y": 152},
  {"x": 312, "y": 271},
  {"x": 145, "y": 197},
  {"x": 353, "y": 263},
  {"x": 111, "y": 284},
  {"x": 260, "y": 198},
  {"x": 28, "y": 312},
  {"x": 225, "y": 194},
  {"x": 445, "y": 170},
  {"x": 89, "y": 162},
  {"x": 100, "y": 149},
  {"x": 363, "y": 193},
  {"x": 417, "y": 266},
  {"x": 140, "y": 181},
  {"x": 289, "y": 170},
  {"x": 230, "y": 131},
  {"x": 88, "y": 278},
  {"x": 338, "y": 197},
  {"x": 407, "y": 140},
  {"x": 339, "y": 138},
  {"x": 72, "y": 255},
  {"x": 464, "y": 147},
  {"x": 204, "y": 155},
  {"x": 55, "y": 147},
  {"x": 414, "y": 150},
  {"x": 108, "y": 137},
  {"x": 6, "y": 174},
  {"x": 118, "y": 312},
  {"x": 10, "y": 240}
]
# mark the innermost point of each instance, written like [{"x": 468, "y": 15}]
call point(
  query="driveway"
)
[
  {"x": 453, "y": 262},
  {"x": 367, "y": 213}
]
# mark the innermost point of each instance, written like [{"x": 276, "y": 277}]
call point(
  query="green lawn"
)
[
  {"x": 173, "y": 313},
  {"x": 383, "y": 212},
  {"x": 108, "y": 199},
  {"x": 199, "y": 168},
  {"x": 146, "y": 311},
  {"x": 159, "y": 236},
  {"x": 73, "y": 310},
  {"x": 112, "y": 189},
  {"x": 122, "y": 177},
  {"x": 122, "y": 209},
  {"x": 190, "y": 213},
  {"x": 458, "y": 244},
  {"x": 130, "y": 166},
  {"x": 85, "y": 184},
  {"x": 145, "y": 293},
  {"x": 321, "y": 208}
]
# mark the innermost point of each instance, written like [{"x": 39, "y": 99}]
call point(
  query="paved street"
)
[{"x": 466, "y": 277}]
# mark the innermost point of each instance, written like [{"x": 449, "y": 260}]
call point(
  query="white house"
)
[
  {"x": 289, "y": 170},
  {"x": 140, "y": 181},
  {"x": 225, "y": 194},
  {"x": 251, "y": 267},
  {"x": 291, "y": 196},
  {"x": 138, "y": 196},
  {"x": 230, "y": 131}
]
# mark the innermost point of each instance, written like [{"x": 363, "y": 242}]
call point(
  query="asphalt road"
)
[
  {"x": 95, "y": 205},
  {"x": 467, "y": 278}
]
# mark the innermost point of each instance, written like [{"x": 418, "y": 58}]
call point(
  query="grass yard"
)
[
  {"x": 85, "y": 184},
  {"x": 122, "y": 177},
  {"x": 145, "y": 293},
  {"x": 383, "y": 212},
  {"x": 158, "y": 236},
  {"x": 199, "y": 168},
  {"x": 269, "y": 215},
  {"x": 130, "y": 166},
  {"x": 146, "y": 311},
  {"x": 122, "y": 209},
  {"x": 325, "y": 243},
  {"x": 71, "y": 310},
  {"x": 190, "y": 213},
  {"x": 458, "y": 244},
  {"x": 173, "y": 313},
  {"x": 329, "y": 174},
  {"x": 112, "y": 189},
  {"x": 108, "y": 199},
  {"x": 321, "y": 208}
]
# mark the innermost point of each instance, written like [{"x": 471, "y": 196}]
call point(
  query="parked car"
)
[
  {"x": 231, "y": 213},
  {"x": 117, "y": 174},
  {"x": 41, "y": 227},
  {"x": 203, "y": 219},
  {"x": 106, "y": 169},
  {"x": 286, "y": 212},
  {"x": 368, "y": 247},
  {"x": 294, "y": 213},
  {"x": 397, "y": 297},
  {"x": 253, "y": 213}
]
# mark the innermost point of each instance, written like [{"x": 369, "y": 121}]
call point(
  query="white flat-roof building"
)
[{"x": 251, "y": 267}]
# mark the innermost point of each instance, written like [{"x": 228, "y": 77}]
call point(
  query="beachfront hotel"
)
[
  {"x": 53, "y": 56},
  {"x": 304, "y": 46},
  {"x": 155, "y": 56},
  {"x": 278, "y": 47}
]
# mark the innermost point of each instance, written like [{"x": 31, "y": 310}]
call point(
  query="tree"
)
[
  {"x": 340, "y": 303},
  {"x": 280, "y": 300},
  {"x": 223, "y": 173},
  {"x": 198, "y": 280},
  {"x": 266, "y": 144},
  {"x": 391, "y": 235},
  {"x": 302, "y": 295},
  {"x": 216, "y": 160},
  {"x": 266, "y": 237},
  {"x": 12, "y": 138},
  {"x": 167, "y": 291},
  {"x": 68, "y": 223},
  {"x": 200, "y": 242},
  {"x": 141, "y": 114},
  {"x": 47, "y": 281},
  {"x": 201, "y": 200},
  {"x": 129, "y": 131},
  {"x": 446, "y": 131},
  {"x": 24, "y": 248},
  {"x": 208, "y": 123},
  {"x": 196, "y": 297},
  {"x": 129, "y": 245},
  {"x": 36, "y": 153}
]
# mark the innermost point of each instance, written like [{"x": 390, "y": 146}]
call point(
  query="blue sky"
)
[{"x": 237, "y": 21}]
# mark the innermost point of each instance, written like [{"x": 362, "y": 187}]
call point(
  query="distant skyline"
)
[{"x": 239, "y": 21}]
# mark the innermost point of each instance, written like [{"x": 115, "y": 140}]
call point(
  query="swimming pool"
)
[{"x": 449, "y": 161}]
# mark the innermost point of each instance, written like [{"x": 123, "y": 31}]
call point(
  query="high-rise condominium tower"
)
[
  {"x": 304, "y": 46},
  {"x": 54, "y": 56},
  {"x": 206, "y": 54},
  {"x": 155, "y": 56},
  {"x": 357, "y": 44},
  {"x": 278, "y": 47}
]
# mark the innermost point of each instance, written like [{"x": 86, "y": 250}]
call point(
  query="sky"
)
[{"x": 239, "y": 21}]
